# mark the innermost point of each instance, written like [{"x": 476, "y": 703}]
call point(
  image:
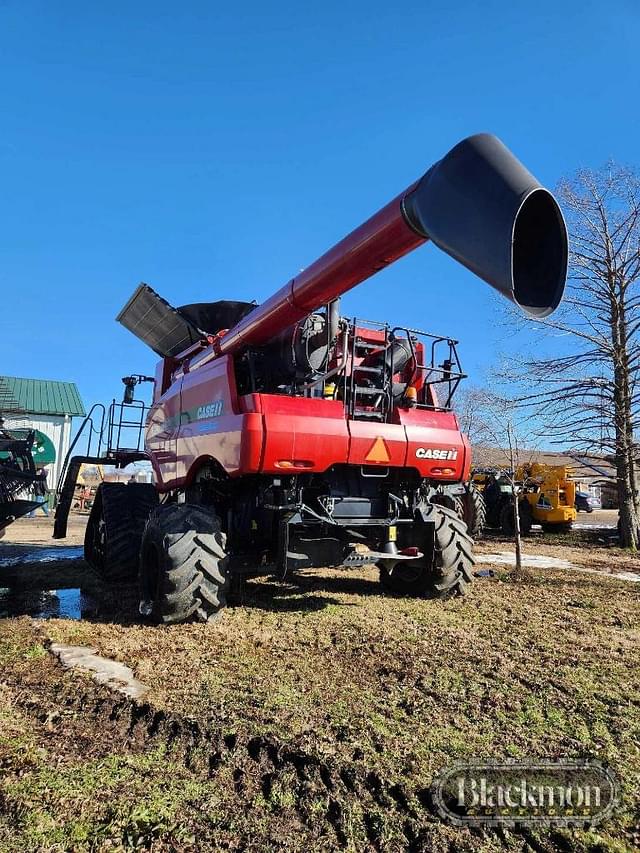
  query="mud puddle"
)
[
  {"x": 15, "y": 555},
  {"x": 74, "y": 603},
  {"x": 56, "y": 583}
]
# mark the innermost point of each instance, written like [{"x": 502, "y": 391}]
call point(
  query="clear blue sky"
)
[{"x": 214, "y": 149}]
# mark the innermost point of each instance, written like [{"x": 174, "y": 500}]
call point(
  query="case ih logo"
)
[
  {"x": 442, "y": 454},
  {"x": 213, "y": 410}
]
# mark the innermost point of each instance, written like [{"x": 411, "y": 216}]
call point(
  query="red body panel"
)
[
  {"x": 161, "y": 436},
  {"x": 201, "y": 418},
  {"x": 311, "y": 432},
  {"x": 211, "y": 424},
  {"x": 371, "y": 442},
  {"x": 438, "y": 431}
]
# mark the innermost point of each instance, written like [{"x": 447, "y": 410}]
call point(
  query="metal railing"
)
[
  {"x": 449, "y": 372},
  {"x": 106, "y": 431},
  {"x": 342, "y": 376}
]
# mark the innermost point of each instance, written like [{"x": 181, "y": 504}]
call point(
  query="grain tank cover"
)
[
  {"x": 158, "y": 324},
  {"x": 211, "y": 317},
  {"x": 168, "y": 330},
  {"x": 481, "y": 206}
]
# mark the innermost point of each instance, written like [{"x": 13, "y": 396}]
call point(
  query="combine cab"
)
[{"x": 285, "y": 436}]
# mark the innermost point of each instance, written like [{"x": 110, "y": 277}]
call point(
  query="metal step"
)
[
  {"x": 369, "y": 346},
  {"x": 361, "y": 389},
  {"x": 363, "y": 369},
  {"x": 368, "y": 414}
]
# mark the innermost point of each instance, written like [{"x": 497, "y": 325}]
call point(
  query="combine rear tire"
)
[
  {"x": 454, "y": 502},
  {"x": 183, "y": 565},
  {"x": 114, "y": 530},
  {"x": 110, "y": 544},
  {"x": 447, "y": 567},
  {"x": 474, "y": 511}
]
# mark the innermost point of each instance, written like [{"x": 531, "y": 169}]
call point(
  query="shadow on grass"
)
[
  {"x": 72, "y": 590},
  {"x": 344, "y": 584},
  {"x": 298, "y": 593},
  {"x": 571, "y": 579},
  {"x": 576, "y": 538},
  {"x": 279, "y": 604},
  {"x": 306, "y": 592}
]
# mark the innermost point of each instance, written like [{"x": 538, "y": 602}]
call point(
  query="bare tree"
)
[
  {"x": 587, "y": 396},
  {"x": 498, "y": 427},
  {"x": 473, "y": 410}
]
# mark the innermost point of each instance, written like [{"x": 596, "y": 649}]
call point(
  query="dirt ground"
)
[
  {"x": 39, "y": 530},
  {"x": 317, "y": 712},
  {"x": 597, "y": 518}
]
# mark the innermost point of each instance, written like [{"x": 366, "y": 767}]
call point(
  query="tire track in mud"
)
[
  {"x": 323, "y": 791},
  {"x": 313, "y": 787},
  {"x": 263, "y": 764}
]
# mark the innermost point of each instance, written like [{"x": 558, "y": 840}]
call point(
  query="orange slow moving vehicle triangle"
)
[{"x": 378, "y": 452}]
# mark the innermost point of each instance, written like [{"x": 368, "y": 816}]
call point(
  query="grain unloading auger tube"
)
[{"x": 478, "y": 204}]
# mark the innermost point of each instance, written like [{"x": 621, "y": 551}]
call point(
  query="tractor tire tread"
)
[
  {"x": 475, "y": 511},
  {"x": 193, "y": 565},
  {"x": 451, "y": 569}
]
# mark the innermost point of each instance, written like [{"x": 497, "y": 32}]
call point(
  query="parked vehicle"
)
[
  {"x": 545, "y": 495},
  {"x": 584, "y": 502}
]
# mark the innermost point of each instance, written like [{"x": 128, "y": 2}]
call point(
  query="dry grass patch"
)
[{"x": 305, "y": 683}]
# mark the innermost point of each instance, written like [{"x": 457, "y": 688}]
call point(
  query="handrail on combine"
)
[
  {"x": 116, "y": 427},
  {"x": 108, "y": 451},
  {"x": 87, "y": 421}
]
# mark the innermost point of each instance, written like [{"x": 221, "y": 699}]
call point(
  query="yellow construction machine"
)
[
  {"x": 551, "y": 494},
  {"x": 546, "y": 495}
]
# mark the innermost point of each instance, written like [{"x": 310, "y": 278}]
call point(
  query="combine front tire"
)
[
  {"x": 447, "y": 567},
  {"x": 183, "y": 565},
  {"x": 143, "y": 499}
]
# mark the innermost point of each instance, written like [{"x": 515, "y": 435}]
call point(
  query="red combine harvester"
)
[{"x": 284, "y": 436}]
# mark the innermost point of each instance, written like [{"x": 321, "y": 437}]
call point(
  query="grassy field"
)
[{"x": 316, "y": 713}]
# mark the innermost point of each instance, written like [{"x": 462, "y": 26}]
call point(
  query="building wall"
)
[
  {"x": 56, "y": 427},
  {"x": 609, "y": 496}
]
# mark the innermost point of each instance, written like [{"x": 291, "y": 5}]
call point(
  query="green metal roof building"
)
[
  {"x": 46, "y": 405},
  {"x": 39, "y": 397}
]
